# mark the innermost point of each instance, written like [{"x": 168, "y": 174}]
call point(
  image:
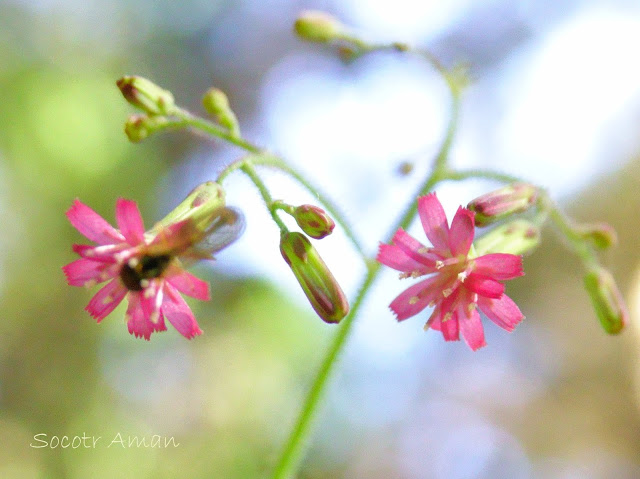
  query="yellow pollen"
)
[
  {"x": 148, "y": 292},
  {"x": 447, "y": 292},
  {"x": 107, "y": 299},
  {"x": 426, "y": 326},
  {"x": 447, "y": 317},
  {"x": 404, "y": 275},
  {"x": 133, "y": 262},
  {"x": 432, "y": 304},
  {"x": 462, "y": 276},
  {"x": 415, "y": 274},
  {"x": 90, "y": 284},
  {"x": 155, "y": 317},
  {"x": 423, "y": 250},
  {"x": 439, "y": 264},
  {"x": 413, "y": 300}
]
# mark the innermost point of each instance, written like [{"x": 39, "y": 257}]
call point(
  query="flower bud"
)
[
  {"x": 139, "y": 127},
  {"x": 314, "y": 221},
  {"x": 503, "y": 202},
  {"x": 516, "y": 237},
  {"x": 146, "y": 95},
  {"x": 216, "y": 103},
  {"x": 606, "y": 299},
  {"x": 319, "y": 285},
  {"x": 600, "y": 235},
  {"x": 317, "y": 26}
]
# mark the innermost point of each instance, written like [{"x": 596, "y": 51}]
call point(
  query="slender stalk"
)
[
  {"x": 292, "y": 453},
  {"x": 266, "y": 196},
  {"x": 269, "y": 160}
]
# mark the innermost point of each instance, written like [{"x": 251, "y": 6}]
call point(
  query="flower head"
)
[
  {"x": 458, "y": 284},
  {"x": 146, "y": 267}
]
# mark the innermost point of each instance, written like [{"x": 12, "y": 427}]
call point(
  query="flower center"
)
[{"x": 137, "y": 272}]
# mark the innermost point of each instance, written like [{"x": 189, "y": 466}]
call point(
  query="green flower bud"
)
[
  {"x": 503, "y": 202},
  {"x": 606, "y": 299},
  {"x": 216, "y": 103},
  {"x": 317, "y": 26},
  {"x": 314, "y": 221},
  {"x": 516, "y": 237},
  {"x": 139, "y": 127},
  {"x": 319, "y": 285},
  {"x": 146, "y": 95},
  {"x": 600, "y": 235}
]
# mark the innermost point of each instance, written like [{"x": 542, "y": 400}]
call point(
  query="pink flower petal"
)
[
  {"x": 415, "y": 250},
  {"x": 499, "y": 266},
  {"x": 461, "y": 232},
  {"x": 434, "y": 221},
  {"x": 177, "y": 311},
  {"x": 484, "y": 286},
  {"x": 136, "y": 322},
  {"x": 129, "y": 221},
  {"x": 414, "y": 299},
  {"x": 448, "y": 327},
  {"x": 471, "y": 329},
  {"x": 393, "y": 256},
  {"x": 188, "y": 284},
  {"x": 92, "y": 225},
  {"x": 106, "y": 299},
  {"x": 151, "y": 301},
  {"x": 102, "y": 254},
  {"x": 84, "y": 272},
  {"x": 502, "y": 311}
]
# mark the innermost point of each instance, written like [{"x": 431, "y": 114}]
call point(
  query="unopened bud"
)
[
  {"x": 516, "y": 237},
  {"x": 606, "y": 299},
  {"x": 139, "y": 127},
  {"x": 600, "y": 235},
  {"x": 314, "y": 221},
  {"x": 316, "y": 26},
  {"x": 317, "y": 281},
  {"x": 216, "y": 103},
  {"x": 146, "y": 95},
  {"x": 503, "y": 202}
]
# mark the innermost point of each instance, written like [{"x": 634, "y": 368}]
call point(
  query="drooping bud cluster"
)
[
  {"x": 607, "y": 299},
  {"x": 504, "y": 202},
  {"x": 315, "y": 278}
]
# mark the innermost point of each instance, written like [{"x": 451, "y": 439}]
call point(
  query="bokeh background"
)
[{"x": 555, "y": 99}]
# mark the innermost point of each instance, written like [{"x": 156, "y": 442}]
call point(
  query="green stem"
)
[
  {"x": 250, "y": 171},
  {"x": 485, "y": 174},
  {"x": 266, "y": 159},
  {"x": 292, "y": 453}
]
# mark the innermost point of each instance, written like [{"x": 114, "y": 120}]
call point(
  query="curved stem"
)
[
  {"x": 267, "y": 159},
  {"x": 292, "y": 453},
  {"x": 250, "y": 171}
]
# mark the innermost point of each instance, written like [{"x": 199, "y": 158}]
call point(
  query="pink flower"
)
[
  {"x": 458, "y": 284},
  {"x": 142, "y": 265}
]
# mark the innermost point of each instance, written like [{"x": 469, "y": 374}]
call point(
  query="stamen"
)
[
  {"x": 447, "y": 292},
  {"x": 90, "y": 284},
  {"x": 155, "y": 317},
  {"x": 432, "y": 303},
  {"x": 447, "y": 317},
  {"x": 439, "y": 264},
  {"x": 462, "y": 276},
  {"x": 414, "y": 300},
  {"x": 423, "y": 250},
  {"x": 144, "y": 283},
  {"x": 107, "y": 299},
  {"x": 133, "y": 262},
  {"x": 404, "y": 275},
  {"x": 415, "y": 274}
]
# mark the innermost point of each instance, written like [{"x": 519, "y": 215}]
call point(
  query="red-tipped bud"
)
[
  {"x": 606, "y": 299},
  {"x": 314, "y": 221},
  {"x": 600, "y": 235},
  {"x": 503, "y": 202},
  {"x": 319, "y": 285},
  {"x": 146, "y": 95}
]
